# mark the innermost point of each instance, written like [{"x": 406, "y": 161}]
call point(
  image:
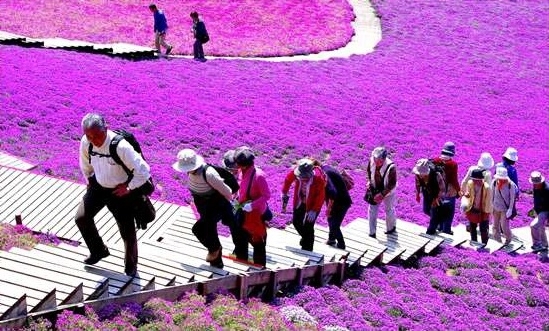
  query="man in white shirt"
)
[{"x": 109, "y": 185}]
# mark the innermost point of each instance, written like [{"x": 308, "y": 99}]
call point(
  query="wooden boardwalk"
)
[
  {"x": 7, "y": 160},
  {"x": 171, "y": 260},
  {"x": 123, "y": 50}
]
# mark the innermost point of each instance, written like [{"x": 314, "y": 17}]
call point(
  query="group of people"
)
[
  {"x": 237, "y": 193},
  {"x": 198, "y": 30},
  {"x": 484, "y": 195}
]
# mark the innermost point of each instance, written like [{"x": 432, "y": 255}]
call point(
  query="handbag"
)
[
  {"x": 371, "y": 192},
  {"x": 144, "y": 212},
  {"x": 267, "y": 215}
]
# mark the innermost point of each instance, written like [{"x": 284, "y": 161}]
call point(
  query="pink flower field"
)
[
  {"x": 237, "y": 28},
  {"x": 472, "y": 72}
]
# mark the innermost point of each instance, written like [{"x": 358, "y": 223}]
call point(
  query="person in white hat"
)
[
  {"x": 382, "y": 182},
  {"x": 485, "y": 163},
  {"x": 541, "y": 209},
  {"x": 503, "y": 205},
  {"x": 476, "y": 203},
  {"x": 309, "y": 183},
  {"x": 212, "y": 197},
  {"x": 509, "y": 160}
]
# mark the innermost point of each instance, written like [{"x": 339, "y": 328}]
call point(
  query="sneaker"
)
[
  {"x": 331, "y": 242},
  {"x": 212, "y": 256},
  {"x": 372, "y": 235},
  {"x": 94, "y": 258},
  {"x": 169, "y": 50},
  {"x": 538, "y": 247}
]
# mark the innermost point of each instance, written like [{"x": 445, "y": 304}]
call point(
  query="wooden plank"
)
[
  {"x": 17, "y": 308},
  {"x": 490, "y": 247},
  {"x": 113, "y": 282},
  {"x": 274, "y": 261},
  {"x": 412, "y": 243},
  {"x": 12, "y": 193},
  {"x": 97, "y": 283},
  {"x": 155, "y": 231},
  {"x": 34, "y": 198},
  {"x": 16, "y": 291},
  {"x": 199, "y": 254},
  {"x": 523, "y": 235},
  {"x": 187, "y": 262},
  {"x": 6, "y": 159},
  {"x": 434, "y": 241},
  {"x": 284, "y": 239},
  {"x": 151, "y": 266},
  {"x": 330, "y": 253},
  {"x": 60, "y": 212},
  {"x": 34, "y": 281},
  {"x": 111, "y": 270}
]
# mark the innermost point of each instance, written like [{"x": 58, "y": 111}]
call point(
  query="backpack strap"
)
[
  {"x": 204, "y": 168},
  {"x": 114, "y": 155}
]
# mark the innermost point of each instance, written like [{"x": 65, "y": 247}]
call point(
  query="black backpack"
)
[
  {"x": 228, "y": 177},
  {"x": 121, "y": 134}
]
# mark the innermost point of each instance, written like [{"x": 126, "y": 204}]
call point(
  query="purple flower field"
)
[
  {"x": 473, "y": 72},
  {"x": 237, "y": 28}
]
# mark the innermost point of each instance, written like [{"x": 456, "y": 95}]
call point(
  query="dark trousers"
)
[
  {"x": 211, "y": 209},
  {"x": 198, "y": 49},
  {"x": 439, "y": 215},
  {"x": 305, "y": 229},
  {"x": 123, "y": 210},
  {"x": 337, "y": 214},
  {"x": 241, "y": 238},
  {"x": 446, "y": 223},
  {"x": 484, "y": 226}
]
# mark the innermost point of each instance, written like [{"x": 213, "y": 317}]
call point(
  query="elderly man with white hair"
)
[{"x": 381, "y": 183}]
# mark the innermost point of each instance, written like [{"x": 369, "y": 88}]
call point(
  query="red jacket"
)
[
  {"x": 259, "y": 195},
  {"x": 317, "y": 190}
]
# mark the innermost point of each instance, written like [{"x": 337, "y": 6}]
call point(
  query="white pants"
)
[
  {"x": 501, "y": 223},
  {"x": 537, "y": 227},
  {"x": 390, "y": 217}
]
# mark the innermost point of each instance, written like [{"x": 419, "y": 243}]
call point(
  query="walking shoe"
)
[
  {"x": 391, "y": 231},
  {"x": 538, "y": 247},
  {"x": 131, "y": 272},
  {"x": 169, "y": 50},
  {"x": 330, "y": 242},
  {"x": 372, "y": 235},
  {"x": 212, "y": 256},
  {"x": 94, "y": 258}
]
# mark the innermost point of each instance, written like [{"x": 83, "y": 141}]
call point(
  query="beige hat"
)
[
  {"x": 486, "y": 161},
  {"x": 421, "y": 167},
  {"x": 188, "y": 160},
  {"x": 501, "y": 173}
]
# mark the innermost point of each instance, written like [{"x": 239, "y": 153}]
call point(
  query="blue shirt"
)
[{"x": 160, "y": 22}]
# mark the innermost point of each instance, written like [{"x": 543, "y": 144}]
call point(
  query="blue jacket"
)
[
  {"x": 160, "y": 22},
  {"x": 541, "y": 199}
]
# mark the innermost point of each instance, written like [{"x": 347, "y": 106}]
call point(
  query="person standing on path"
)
[
  {"x": 108, "y": 185},
  {"x": 200, "y": 36},
  {"x": 160, "y": 29}
]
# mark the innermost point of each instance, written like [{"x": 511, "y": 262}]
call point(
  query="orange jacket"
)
[{"x": 317, "y": 190}]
